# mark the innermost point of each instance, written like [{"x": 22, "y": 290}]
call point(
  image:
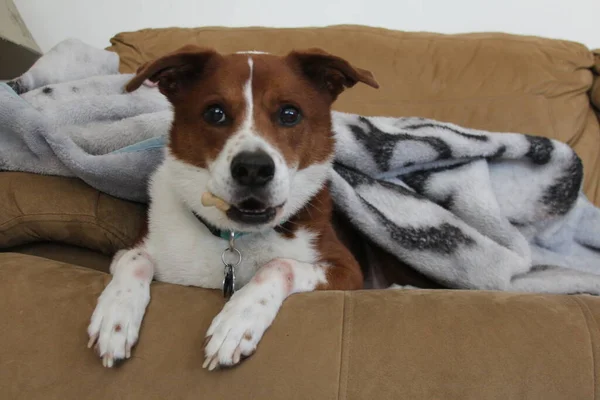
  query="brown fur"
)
[{"x": 344, "y": 272}]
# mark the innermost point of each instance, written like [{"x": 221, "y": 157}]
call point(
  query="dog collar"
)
[{"x": 223, "y": 234}]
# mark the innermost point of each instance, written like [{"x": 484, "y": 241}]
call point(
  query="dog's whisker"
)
[{"x": 315, "y": 207}]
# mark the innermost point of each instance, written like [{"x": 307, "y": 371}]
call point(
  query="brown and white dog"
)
[{"x": 250, "y": 152}]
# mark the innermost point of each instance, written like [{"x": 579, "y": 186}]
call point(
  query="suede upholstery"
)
[{"x": 57, "y": 235}]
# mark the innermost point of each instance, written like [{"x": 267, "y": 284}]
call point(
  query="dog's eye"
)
[
  {"x": 289, "y": 116},
  {"x": 215, "y": 115}
]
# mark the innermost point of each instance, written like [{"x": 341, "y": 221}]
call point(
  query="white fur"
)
[
  {"x": 116, "y": 321},
  {"x": 181, "y": 250},
  {"x": 251, "y": 52},
  {"x": 238, "y": 328}
]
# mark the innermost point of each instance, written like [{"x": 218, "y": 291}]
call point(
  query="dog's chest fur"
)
[{"x": 186, "y": 253}]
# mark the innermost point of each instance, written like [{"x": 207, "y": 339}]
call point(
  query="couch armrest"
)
[{"x": 36, "y": 208}]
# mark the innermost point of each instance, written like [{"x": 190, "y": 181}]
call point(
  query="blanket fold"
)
[{"x": 468, "y": 208}]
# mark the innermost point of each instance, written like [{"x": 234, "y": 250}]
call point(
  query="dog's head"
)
[{"x": 253, "y": 129}]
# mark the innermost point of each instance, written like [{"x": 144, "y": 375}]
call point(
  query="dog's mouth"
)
[{"x": 253, "y": 212}]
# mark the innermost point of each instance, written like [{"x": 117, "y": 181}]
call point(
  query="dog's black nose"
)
[{"x": 252, "y": 168}]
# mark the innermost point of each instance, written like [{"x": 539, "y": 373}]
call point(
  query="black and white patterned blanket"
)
[{"x": 469, "y": 209}]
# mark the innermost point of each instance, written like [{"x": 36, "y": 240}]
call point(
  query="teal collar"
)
[{"x": 223, "y": 234}]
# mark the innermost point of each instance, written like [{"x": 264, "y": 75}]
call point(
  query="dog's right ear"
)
[{"x": 174, "y": 70}]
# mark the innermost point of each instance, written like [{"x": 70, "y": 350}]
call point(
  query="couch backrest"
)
[{"x": 496, "y": 82}]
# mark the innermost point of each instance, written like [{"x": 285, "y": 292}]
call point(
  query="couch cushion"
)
[
  {"x": 494, "y": 81},
  {"x": 36, "y": 208},
  {"x": 323, "y": 345}
]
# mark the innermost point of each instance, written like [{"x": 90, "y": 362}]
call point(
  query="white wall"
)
[{"x": 95, "y": 21}]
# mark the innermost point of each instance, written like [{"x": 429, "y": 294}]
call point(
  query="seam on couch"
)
[
  {"x": 27, "y": 218},
  {"x": 552, "y": 118},
  {"x": 463, "y": 38},
  {"x": 13, "y": 196},
  {"x": 345, "y": 347},
  {"x": 469, "y": 99},
  {"x": 122, "y": 238},
  {"x": 108, "y": 231},
  {"x": 97, "y": 204},
  {"x": 382, "y": 32},
  {"x": 55, "y": 263},
  {"x": 586, "y": 313}
]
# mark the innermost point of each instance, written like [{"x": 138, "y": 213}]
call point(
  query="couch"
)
[{"x": 57, "y": 236}]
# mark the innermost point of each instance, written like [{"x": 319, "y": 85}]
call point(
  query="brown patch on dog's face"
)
[{"x": 193, "y": 139}]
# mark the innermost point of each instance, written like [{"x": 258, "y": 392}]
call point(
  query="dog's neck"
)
[
  {"x": 220, "y": 233},
  {"x": 223, "y": 233}
]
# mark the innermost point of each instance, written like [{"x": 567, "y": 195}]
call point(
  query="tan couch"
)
[{"x": 58, "y": 235}]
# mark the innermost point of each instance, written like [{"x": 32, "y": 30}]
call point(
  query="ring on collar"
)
[{"x": 233, "y": 251}]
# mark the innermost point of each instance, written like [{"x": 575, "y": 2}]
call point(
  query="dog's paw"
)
[
  {"x": 116, "y": 321},
  {"x": 237, "y": 329}
]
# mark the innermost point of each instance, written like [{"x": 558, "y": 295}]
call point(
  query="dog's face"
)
[{"x": 253, "y": 129}]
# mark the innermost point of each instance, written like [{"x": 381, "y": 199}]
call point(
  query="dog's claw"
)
[
  {"x": 127, "y": 350},
  {"x": 214, "y": 363},
  {"x": 237, "y": 354},
  {"x": 107, "y": 361},
  {"x": 92, "y": 340}
]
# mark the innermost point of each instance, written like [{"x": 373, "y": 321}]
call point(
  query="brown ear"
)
[
  {"x": 173, "y": 70},
  {"x": 331, "y": 72}
]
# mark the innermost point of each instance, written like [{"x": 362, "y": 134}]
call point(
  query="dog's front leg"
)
[
  {"x": 115, "y": 324},
  {"x": 237, "y": 329}
]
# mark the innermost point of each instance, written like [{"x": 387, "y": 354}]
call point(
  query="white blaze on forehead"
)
[
  {"x": 251, "y": 52},
  {"x": 248, "y": 124}
]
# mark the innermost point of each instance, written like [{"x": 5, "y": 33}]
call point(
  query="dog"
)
[{"x": 241, "y": 200}]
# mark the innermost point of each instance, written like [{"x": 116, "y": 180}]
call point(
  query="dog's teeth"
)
[{"x": 254, "y": 211}]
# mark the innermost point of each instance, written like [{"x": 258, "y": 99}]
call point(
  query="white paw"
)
[
  {"x": 116, "y": 321},
  {"x": 237, "y": 329}
]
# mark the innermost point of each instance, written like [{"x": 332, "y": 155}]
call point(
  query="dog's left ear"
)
[
  {"x": 174, "y": 70},
  {"x": 330, "y": 72}
]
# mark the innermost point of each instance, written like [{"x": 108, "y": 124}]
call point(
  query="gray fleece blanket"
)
[{"x": 468, "y": 208}]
